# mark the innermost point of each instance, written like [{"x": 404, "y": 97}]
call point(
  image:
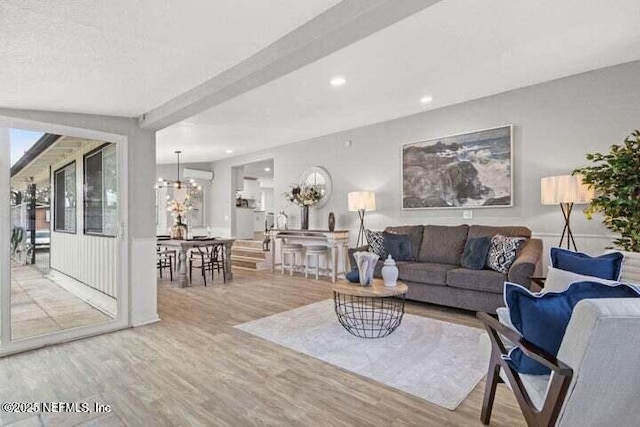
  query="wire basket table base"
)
[{"x": 369, "y": 316}]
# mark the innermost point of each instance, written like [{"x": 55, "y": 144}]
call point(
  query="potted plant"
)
[{"x": 615, "y": 177}]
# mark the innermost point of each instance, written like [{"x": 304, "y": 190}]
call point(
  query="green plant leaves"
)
[{"x": 615, "y": 177}]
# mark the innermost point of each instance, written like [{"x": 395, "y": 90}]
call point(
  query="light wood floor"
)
[{"x": 194, "y": 368}]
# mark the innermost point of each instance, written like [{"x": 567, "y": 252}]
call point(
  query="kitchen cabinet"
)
[
  {"x": 251, "y": 189},
  {"x": 245, "y": 219}
]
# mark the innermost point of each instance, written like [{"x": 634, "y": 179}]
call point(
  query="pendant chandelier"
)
[{"x": 178, "y": 184}]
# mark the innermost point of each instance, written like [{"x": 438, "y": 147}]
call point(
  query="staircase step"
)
[
  {"x": 254, "y": 244},
  {"x": 249, "y": 263},
  {"x": 250, "y": 253}
]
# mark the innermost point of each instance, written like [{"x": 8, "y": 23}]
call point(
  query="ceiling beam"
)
[{"x": 342, "y": 25}]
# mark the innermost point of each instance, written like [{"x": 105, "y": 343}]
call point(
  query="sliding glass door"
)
[{"x": 63, "y": 258}]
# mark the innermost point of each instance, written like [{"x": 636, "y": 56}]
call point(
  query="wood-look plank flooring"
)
[{"x": 194, "y": 368}]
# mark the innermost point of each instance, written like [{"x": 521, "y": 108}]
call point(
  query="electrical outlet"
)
[{"x": 467, "y": 214}]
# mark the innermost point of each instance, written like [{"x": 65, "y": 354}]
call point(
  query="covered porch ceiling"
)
[{"x": 35, "y": 165}]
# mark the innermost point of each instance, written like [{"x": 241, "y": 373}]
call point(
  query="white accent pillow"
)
[{"x": 559, "y": 280}]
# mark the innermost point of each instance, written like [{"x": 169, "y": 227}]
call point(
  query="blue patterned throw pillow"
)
[{"x": 503, "y": 252}]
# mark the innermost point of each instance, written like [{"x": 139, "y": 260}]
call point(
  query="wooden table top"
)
[
  {"x": 194, "y": 242},
  {"x": 377, "y": 289}
]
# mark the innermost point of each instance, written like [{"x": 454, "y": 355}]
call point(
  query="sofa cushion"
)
[
  {"x": 490, "y": 231},
  {"x": 443, "y": 244},
  {"x": 415, "y": 235},
  {"x": 476, "y": 280},
  {"x": 475, "y": 253},
  {"x": 425, "y": 272},
  {"x": 398, "y": 246}
]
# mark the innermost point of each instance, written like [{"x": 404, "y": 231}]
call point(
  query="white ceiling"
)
[
  {"x": 122, "y": 57},
  {"x": 257, "y": 169},
  {"x": 455, "y": 51}
]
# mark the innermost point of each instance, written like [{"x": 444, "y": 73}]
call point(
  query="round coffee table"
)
[{"x": 369, "y": 311}]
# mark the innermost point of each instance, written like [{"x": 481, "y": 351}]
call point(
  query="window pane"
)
[
  {"x": 110, "y": 205},
  {"x": 93, "y": 193},
  {"x": 101, "y": 192},
  {"x": 59, "y": 198},
  {"x": 65, "y": 199}
]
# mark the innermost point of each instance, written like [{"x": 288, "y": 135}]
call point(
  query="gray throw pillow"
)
[
  {"x": 398, "y": 246},
  {"x": 475, "y": 253}
]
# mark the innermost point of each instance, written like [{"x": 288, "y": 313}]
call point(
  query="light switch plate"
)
[{"x": 467, "y": 214}]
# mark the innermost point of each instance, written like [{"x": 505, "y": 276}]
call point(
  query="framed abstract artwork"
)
[{"x": 468, "y": 170}]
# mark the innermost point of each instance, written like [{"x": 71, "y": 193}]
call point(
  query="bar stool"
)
[
  {"x": 315, "y": 251},
  {"x": 292, "y": 249}
]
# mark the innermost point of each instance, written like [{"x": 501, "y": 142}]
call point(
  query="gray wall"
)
[{"x": 555, "y": 125}]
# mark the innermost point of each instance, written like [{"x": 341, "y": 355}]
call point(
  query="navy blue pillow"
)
[
  {"x": 475, "y": 253},
  {"x": 543, "y": 318},
  {"x": 607, "y": 266},
  {"x": 353, "y": 276},
  {"x": 398, "y": 246}
]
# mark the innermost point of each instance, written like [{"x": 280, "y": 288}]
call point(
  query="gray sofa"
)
[{"x": 434, "y": 274}]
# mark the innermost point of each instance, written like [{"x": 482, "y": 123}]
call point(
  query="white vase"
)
[
  {"x": 390, "y": 272},
  {"x": 366, "y": 262}
]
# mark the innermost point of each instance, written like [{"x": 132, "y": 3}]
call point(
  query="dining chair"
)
[
  {"x": 201, "y": 257},
  {"x": 166, "y": 259},
  {"x": 218, "y": 261}
]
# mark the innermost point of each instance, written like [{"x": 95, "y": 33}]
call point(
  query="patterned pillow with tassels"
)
[
  {"x": 503, "y": 252},
  {"x": 376, "y": 242}
]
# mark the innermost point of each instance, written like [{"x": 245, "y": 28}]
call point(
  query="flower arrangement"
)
[
  {"x": 179, "y": 209},
  {"x": 304, "y": 195}
]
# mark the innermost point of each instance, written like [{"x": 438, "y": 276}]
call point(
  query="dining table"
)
[{"x": 183, "y": 247}]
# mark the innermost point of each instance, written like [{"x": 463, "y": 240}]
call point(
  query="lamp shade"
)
[
  {"x": 564, "y": 189},
  {"x": 362, "y": 200}
]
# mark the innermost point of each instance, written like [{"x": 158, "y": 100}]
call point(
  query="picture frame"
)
[{"x": 468, "y": 170}]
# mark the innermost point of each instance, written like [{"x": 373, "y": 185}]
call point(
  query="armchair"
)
[{"x": 594, "y": 380}]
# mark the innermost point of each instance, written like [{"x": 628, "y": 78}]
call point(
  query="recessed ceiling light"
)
[
  {"x": 426, "y": 99},
  {"x": 338, "y": 81},
  {"x": 267, "y": 169},
  {"x": 228, "y": 151}
]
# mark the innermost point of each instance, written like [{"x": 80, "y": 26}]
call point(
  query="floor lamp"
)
[
  {"x": 566, "y": 191},
  {"x": 361, "y": 202}
]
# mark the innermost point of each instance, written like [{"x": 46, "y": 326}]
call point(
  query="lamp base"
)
[
  {"x": 566, "y": 231},
  {"x": 361, "y": 233}
]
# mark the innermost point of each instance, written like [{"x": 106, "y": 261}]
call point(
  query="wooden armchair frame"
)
[{"x": 559, "y": 383}]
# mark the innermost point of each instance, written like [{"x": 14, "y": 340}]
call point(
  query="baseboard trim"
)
[{"x": 144, "y": 322}]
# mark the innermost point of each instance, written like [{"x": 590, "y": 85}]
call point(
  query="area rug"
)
[{"x": 437, "y": 361}]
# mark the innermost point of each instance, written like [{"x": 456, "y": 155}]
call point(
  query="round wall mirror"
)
[{"x": 320, "y": 177}]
